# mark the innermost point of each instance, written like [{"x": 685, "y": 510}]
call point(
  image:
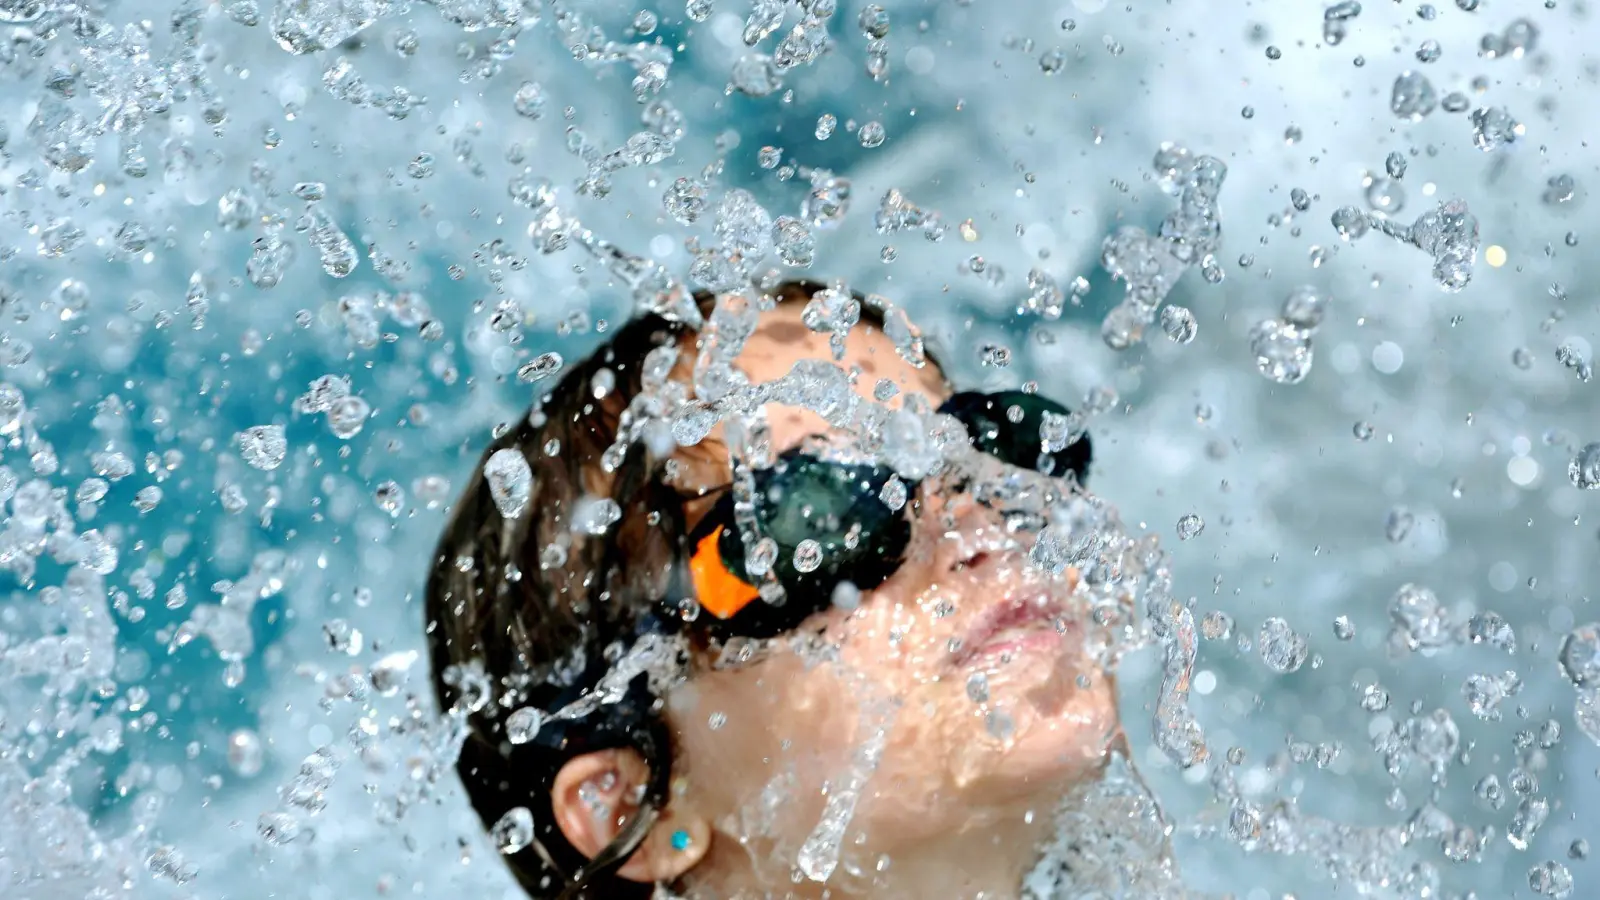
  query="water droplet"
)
[
  {"x": 513, "y": 831},
  {"x": 307, "y": 27},
  {"x": 1386, "y": 195},
  {"x": 1484, "y": 693},
  {"x": 1282, "y": 351},
  {"x": 755, "y": 75},
  {"x": 596, "y": 515},
  {"x": 978, "y": 687},
  {"x": 1281, "y": 647},
  {"x": 685, "y": 200},
  {"x": 1455, "y": 102},
  {"x": 871, "y": 134},
  {"x": 540, "y": 367},
  {"x": 389, "y": 674},
  {"x": 524, "y": 724},
  {"x": 1449, "y": 234},
  {"x": 1190, "y": 526},
  {"x": 347, "y": 416},
  {"x": 765, "y": 17},
  {"x": 390, "y": 497},
  {"x": 999, "y": 724},
  {"x": 64, "y": 137},
  {"x": 1572, "y": 357},
  {"x": 1559, "y": 189},
  {"x": 1374, "y": 698},
  {"x": 1584, "y": 470},
  {"x": 1551, "y": 879},
  {"x": 1412, "y": 96},
  {"x": 826, "y": 203},
  {"x": 1419, "y": 618},
  {"x": 246, "y": 754},
  {"x": 1580, "y": 656},
  {"x": 1549, "y": 735},
  {"x": 1351, "y": 223},
  {"x": 996, "y": 355},
  {"x": 1305, "y": 307},
  {"x": 277, "y": 828},
  {"x": 1493, "y": 128},
  {"x": 263, "y": 447},
  {"x": 1434, "y": 737},
  {"x": 894, "y": 493},
  {"x": 528, "y": 101},
  {"x": 1216, "y": 626},
  {"x": 794, "y": 242},
  {"x": 1397, "y": 524},
  {"x": 510, "y": 481},
  {"x": 807, "y": 556},
  {"x": 342, "y": 637},
  {"x": 235, "y": 210},
  {"x": 1529, "y": 817},
  {"x": 1179, "y": 324},
  {"x": 744, "y": 226}
]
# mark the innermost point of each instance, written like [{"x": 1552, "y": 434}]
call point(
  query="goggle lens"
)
[{"x": 831, "y": 524}]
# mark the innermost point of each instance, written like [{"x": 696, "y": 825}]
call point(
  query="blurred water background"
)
[{"x": 1429, "y": 444}]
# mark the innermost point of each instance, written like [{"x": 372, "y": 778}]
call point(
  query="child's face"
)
[{"x": 970, "y": 659}]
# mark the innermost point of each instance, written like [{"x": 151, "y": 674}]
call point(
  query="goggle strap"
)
[{"x": 614, "y": 853}]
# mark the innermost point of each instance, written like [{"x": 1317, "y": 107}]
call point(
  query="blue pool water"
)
[{"x": 1043, "y": 165}]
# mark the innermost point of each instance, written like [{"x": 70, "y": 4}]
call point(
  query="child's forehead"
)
[{"x": 779, "y": 341}]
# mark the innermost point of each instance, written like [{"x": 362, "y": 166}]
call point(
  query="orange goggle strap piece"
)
[{"x": 719, "y": 592}]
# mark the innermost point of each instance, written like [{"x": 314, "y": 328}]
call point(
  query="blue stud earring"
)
[{"x": 680, "y": 840}]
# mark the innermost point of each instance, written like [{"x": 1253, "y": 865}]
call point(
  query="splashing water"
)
[
  {"x": 819, "y": 855},
  {"x": 1110, "y": 842},
  {"x": 1150, "y": 266},
  {"x": 1448, "y": 233},
  {"x": 270, "y": 272}
]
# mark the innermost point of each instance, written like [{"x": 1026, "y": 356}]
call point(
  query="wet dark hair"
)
[{"x": 545, "y": 630}]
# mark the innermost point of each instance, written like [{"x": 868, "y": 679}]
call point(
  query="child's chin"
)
[
  {"x": 1039, "y": 757},
  {"x": 1058, "y": 757}
]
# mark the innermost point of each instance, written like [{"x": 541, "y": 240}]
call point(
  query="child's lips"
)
[{"x": 1018, "y": 625}]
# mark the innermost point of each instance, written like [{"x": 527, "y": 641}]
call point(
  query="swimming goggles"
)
[{"x": 830, "y": 522}]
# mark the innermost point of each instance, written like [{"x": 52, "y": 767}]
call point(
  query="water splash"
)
[
  {"x": 1150, "y": 266},
  {"x": 819, "y": 855},
  {"x": 1110, "y": 841},
  {"x": 120, "y": 102},
  {"x": 1448, "y": 233}
]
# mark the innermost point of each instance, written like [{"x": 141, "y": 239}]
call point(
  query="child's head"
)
[{"x": 912, "y": 636}]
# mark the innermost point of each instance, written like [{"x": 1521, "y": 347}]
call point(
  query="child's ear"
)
[{"x": 596, "y": 795}]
